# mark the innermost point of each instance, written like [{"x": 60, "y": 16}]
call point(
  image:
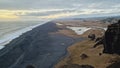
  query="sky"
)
[{"x": 52, "y": 9}]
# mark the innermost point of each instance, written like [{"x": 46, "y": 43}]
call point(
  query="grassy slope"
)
[{"x": 86, "y": 47}]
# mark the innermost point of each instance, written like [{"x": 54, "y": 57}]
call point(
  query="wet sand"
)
[{"x": 37, "y": 47}]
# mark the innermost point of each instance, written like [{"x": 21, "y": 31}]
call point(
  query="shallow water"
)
[{"x": 79, "y": 30}]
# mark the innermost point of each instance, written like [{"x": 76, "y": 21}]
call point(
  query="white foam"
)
[
  {"x": 105, "y": 29},
  {"x": 79, "y": 30},
  {"x": 9, "y": 37},
  {"x": 59, "y": 24},
  {"x": 1, "y": 47}
]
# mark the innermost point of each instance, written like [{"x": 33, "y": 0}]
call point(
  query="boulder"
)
[
  {"x": 92, "y": 36},
  {"x": 83, "y": 56}
]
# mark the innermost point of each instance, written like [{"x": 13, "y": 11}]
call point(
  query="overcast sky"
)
[
  {"x": 38, "y": 4},
  {"x": 56, "y": 8}
]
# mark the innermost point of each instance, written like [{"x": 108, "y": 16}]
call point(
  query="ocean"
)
[{"x": 10, "y": 30}]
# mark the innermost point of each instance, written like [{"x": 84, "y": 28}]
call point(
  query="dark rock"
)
[
  {"x": 114, "y": 60},
  {"x": 91, "y": 36},
  {"x": 112, "y": 39},
  {"x": 100, "y": 54},
  {"x": 99, "y": 41},
  {"x": 30, "y": 66},
  {"x": 114, "y": 65},
  {"x": 84, "y": 56},
  {"x": 77, "y": 66}
]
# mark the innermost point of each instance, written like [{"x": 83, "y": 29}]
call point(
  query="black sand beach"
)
[{"x": 37, "y": 47}]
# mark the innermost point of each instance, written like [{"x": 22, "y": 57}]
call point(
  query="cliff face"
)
[{"x": 112, "y": 39}]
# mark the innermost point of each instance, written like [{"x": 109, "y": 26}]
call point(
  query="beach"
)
[
  {"x": 42, "y": 47},
  {"x": 55, "y": 44},
  {"x": 12, "y": 30},
  {"x": 59, "y": 34}
]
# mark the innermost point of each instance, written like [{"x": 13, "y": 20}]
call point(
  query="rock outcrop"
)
[
  {"x": 112, "y": 39},
  {"x": 99, "y": 41},
  {"x": 91, "y": 36},
  {"x": 114, "y": 65}
]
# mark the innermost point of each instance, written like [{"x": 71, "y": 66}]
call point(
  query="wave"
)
[{"x": 9, "y": 37}]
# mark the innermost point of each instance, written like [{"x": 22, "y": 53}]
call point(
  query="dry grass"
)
[
  {"x": 82, "y": 23},
  {"x": 67, "y": 32},
  {"x": 95, "y": 58},
  {"x": 97, "y": 32},
  {"x": 86, "y": 47}
]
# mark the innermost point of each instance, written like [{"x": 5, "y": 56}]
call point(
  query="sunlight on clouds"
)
[
  {"x": 51, "y": 13},
  {"x": 8, "y": 17},
  {"x": 15, "y": 14},
  {"x": 58, "y": 15},
  {"x": 5, "y": 14}
]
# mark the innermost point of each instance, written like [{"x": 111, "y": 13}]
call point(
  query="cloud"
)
[
  {"x": 116, "y": 6},
  {"x": 49, "y": 13},
  {"x": 41, "y": 12},
  {"x": 95, "y": 5},
  {"x": 59, "y": 15},
  {"x": 5, "y": 14},
  {"x": 80, "y": 13},
  {"x": 40, "y": 4}
]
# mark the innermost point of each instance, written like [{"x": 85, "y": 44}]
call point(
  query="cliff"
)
[{"x": 112, "y": 39}]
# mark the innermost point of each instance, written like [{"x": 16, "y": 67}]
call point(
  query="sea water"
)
[{"x": 10, "y": 30}]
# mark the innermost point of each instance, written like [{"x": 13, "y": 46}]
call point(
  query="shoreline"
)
[
  {"x": 44, "y": 46},
  {"x": 16, "y": 34},
  {"x": 39, "y": 46},
  {"x": 66, "y": 53}
]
